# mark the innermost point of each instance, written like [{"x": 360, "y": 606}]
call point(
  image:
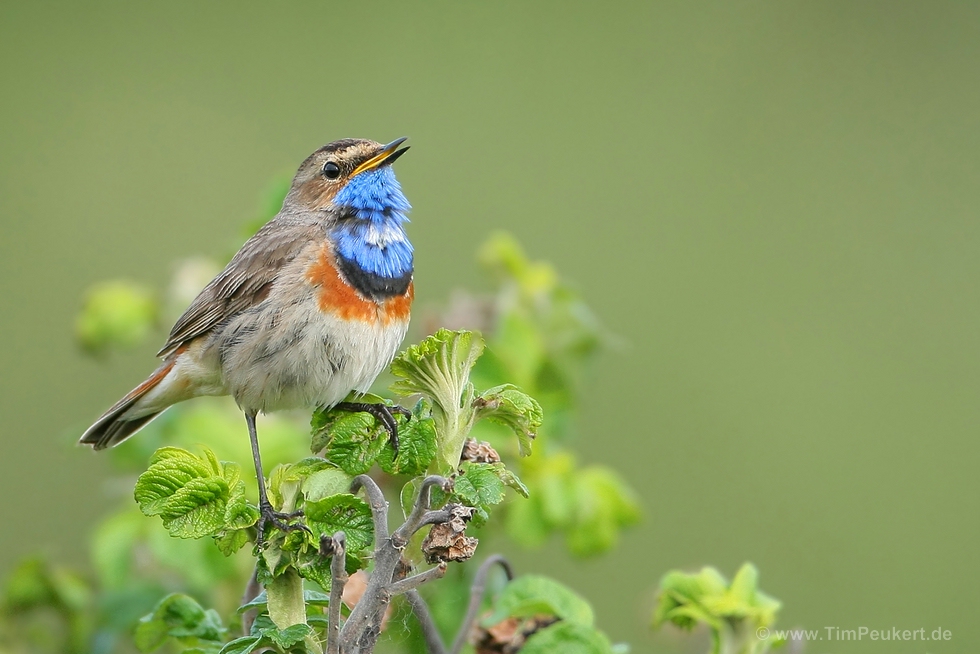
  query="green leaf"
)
[
  {"x": 512, "y": 407},
  {"x": 343, "y": 512},
  {"x": 531, "y": 595},
  {"x": 744, "y": 584},
  {"x": 438, "y": 368},
  {"x": 181, "y": 617},
  {"x": 286, "y": 638},
  {"x": 310, "y": 597},
  {"x": 509, "y": 479},
  {"x": 314, "y": 476},
  {"x": 239, "y": 514},
  {"x": 408, "y": 494},
  {"x": 567, "y": 638},
  {"x": 324, "y": 483},
  {"x": 416, "y": 444},
  {"x": 244, "y": 645},
  {"x": 479, "y": 485},
  {"x": 482, "y": 485},
  {"x": 705, "y": 597},
  {"x": 350, "y": 441},
  {"x": 195, "y": 496},
  {"x": 231, "y": 541}
]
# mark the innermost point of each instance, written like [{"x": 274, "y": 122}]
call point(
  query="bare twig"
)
[
  {"x": 413, "y": 582},
  {"x": 422, "y": 503},
  {"x": 359, "y": 634},
  {"x": 431, "y": 518},
  {"x": 433, "y": 640},
  {"x": 338, "y": 579},
  {"x": 379, "y": 505},
  {"x": 476, "y": 598}
]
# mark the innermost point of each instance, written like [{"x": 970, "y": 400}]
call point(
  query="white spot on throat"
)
[{"x": 383, "y": 235}]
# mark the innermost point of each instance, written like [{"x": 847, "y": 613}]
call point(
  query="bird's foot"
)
[
  {"x": 382, "y": 413},
  {"x": 284, "y": 522}
]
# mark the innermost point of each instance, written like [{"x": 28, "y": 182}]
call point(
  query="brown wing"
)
[{"x": 244, "y": 282}]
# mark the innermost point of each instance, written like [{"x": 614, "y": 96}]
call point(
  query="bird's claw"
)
[
  {"x": 383, "y": 414},
  {"x": 281, "y": 521}
]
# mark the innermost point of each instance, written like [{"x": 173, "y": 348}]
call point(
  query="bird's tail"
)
[{"x": 128, "y": 415}]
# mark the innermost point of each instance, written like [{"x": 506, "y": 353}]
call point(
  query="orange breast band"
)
[{"x": 338, "y": 297}]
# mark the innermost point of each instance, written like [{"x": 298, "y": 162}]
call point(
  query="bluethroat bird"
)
[{"x": 312, "y": 307}]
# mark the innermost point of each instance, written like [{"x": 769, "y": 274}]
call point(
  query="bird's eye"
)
[{"x": 331, "y": 170}]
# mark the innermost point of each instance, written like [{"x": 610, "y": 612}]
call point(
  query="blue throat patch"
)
[{"x": 375, "y": 239}]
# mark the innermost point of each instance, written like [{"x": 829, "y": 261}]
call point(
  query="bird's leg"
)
[
  {"x": 267, "y": 513},
  {"x": 382, "y": 413}
]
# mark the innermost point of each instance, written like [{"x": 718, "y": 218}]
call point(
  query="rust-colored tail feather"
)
[{"x": 113, "y": 428}]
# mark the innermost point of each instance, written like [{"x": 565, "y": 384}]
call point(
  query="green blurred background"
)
[{"x": 774, "y": 204}]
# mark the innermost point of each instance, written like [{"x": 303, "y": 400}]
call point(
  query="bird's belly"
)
[{"x": 282, "y": 356}]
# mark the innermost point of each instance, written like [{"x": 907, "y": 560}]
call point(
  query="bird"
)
[{"x": 313, "y": 307}]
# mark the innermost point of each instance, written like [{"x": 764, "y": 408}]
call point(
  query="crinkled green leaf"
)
[
  {"x": 438, "y": 368},
  {"x": 322, "y": 417},
  {"x": 178, "y": 616},
  {"x": 170, "y": 468},
  {"x": 195, "y": 496},
  {"x": 478, "y": 485},
  {"x": 244, "y": 645},
  {"x": 286, "y": 638},
  {"x": 509, "y": 479},
  {"x": 316, "y": 568},
  {"x": 239, "y": 514},
  {"x": 567, "y": 638},
  {"x": 350, "y": 441},
  {"x": 416, "y": 444},
  {"x": 344, "y": 512},
  {"x": 531, "y": 595},
  {"x": 231, "y": 541},
  {"x": 512, "y": 407}
]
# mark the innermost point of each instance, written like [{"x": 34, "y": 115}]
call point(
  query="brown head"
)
[{"x": 328, "y": 170}]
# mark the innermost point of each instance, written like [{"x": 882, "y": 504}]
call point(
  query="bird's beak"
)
[{"x": 385, "y": 156}]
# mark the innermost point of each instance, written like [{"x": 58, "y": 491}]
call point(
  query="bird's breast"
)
[{"x": 348, "y": 292}]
